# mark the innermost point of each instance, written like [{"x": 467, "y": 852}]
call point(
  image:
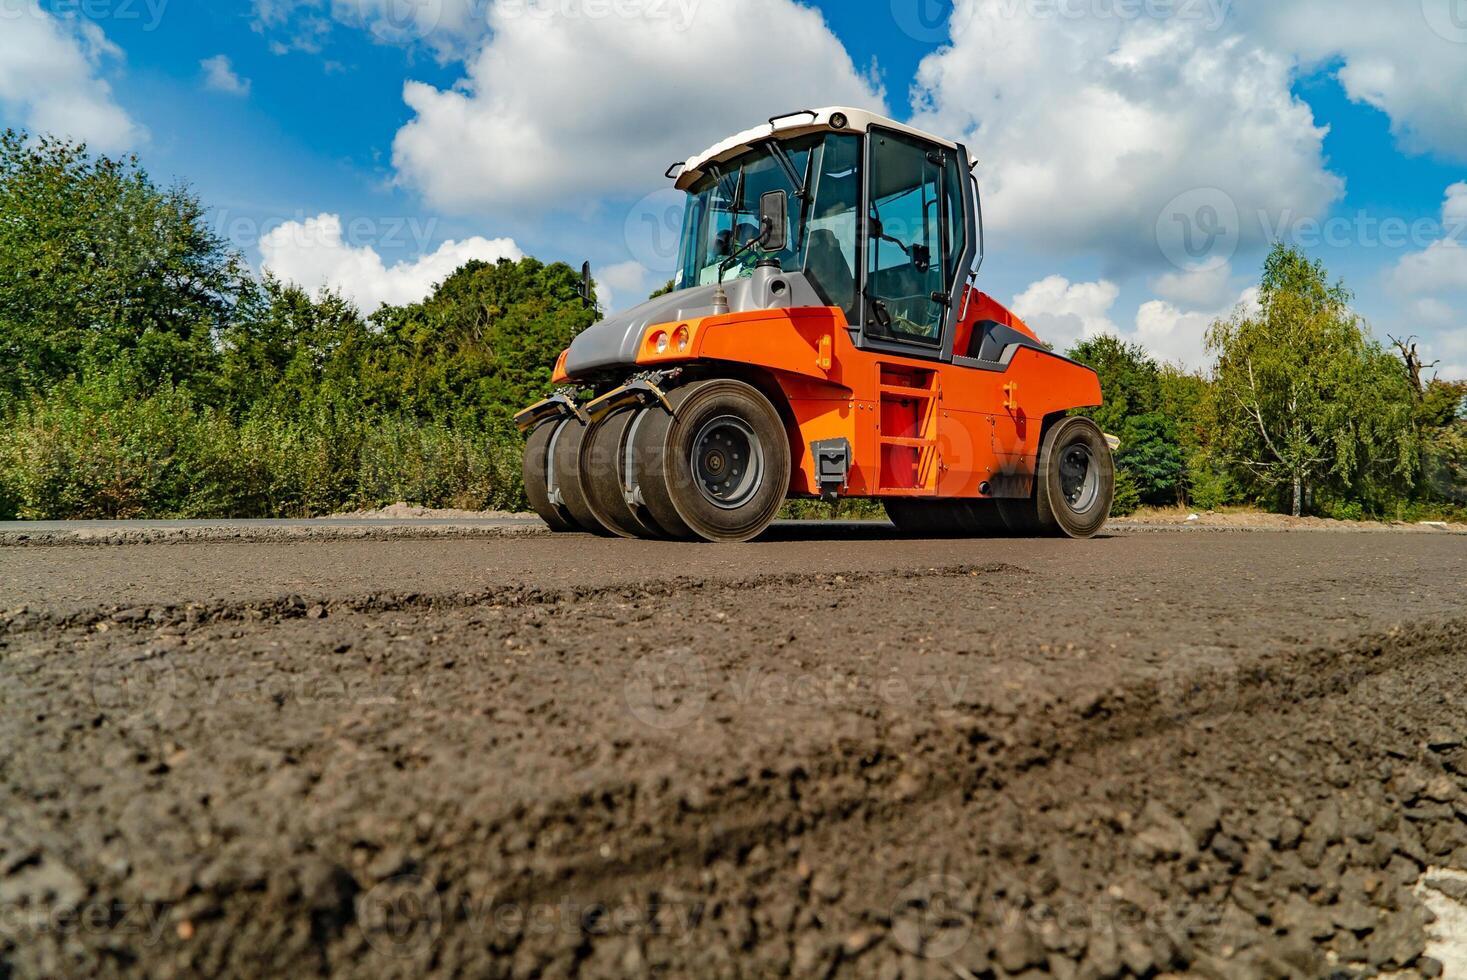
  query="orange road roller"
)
[{"x": 824, "y": 339}]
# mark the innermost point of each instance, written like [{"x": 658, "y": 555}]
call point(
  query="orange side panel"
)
[{"x": 916, "y": 427}]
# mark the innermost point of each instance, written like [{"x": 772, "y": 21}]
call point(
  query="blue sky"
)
[{"x": 374, "y": 144}]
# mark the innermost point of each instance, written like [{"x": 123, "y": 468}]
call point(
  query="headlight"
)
[
  {"x": 659, "y": 342},
  {"x": 681, "y": 339}
]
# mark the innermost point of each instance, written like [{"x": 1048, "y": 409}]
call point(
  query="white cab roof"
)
[{"x": 796, "y": 124}]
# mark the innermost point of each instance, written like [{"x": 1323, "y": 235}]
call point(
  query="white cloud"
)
[
  {"x": 1089, "y": 127},
  {"x": 1063, "y": 313},
  {"x": 1431, "y": 286},
  {"x": 313, "y": 254},
  {"x": 623, "y": 285},
  {"x": 450, "y": 29},
  {"x": 1205, "y": 287},
  {"x": 50, "y": 78},
  {"x": 219, "y": 75},
  {"x": 558, "y": 109},
  {"x": 1442, "y": 267},
  {"x": 1179, "y": 336},
  {"x": 1407, "y": 59}
]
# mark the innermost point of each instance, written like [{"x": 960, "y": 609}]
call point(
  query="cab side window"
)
[
  {"x": 912, "y": 246},
  {"x": 831, "y": 263}
]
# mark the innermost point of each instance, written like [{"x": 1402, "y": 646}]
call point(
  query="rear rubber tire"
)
[
  {"x": 603, "y": 477},
  {"x": 681, "y": 502},
  {"x": 570, "y": 469},
  {"x": 1050, "y": 511},
  {"x": 537, "y": 475}
]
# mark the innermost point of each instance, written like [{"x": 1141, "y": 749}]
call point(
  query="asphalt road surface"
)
[{"x": 830, "y": 752}]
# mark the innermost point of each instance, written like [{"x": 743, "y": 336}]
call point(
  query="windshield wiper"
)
[{"x": 782, "y": 157}]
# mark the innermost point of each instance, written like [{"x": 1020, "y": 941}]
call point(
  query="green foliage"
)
[
  {"x": 102, "y": 452},
  {"x": 1128, "y": 494},
  {"x": 481, "y": 347},
  {"x": 1304, "y": 400},
  {"x": 145, "y": 374},
  {"x": 102, "y": 268},
  {"x": 664, "y": 290},
  {"x": 1150, "y": 458}
]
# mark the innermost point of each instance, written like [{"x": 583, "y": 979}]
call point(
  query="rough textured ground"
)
[{"x": 1226, "y": 755}]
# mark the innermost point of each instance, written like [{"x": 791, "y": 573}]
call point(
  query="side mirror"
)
[
  {"x": 588, "y": 298},
  {"x": 921, "y": 258},
  {"x": 774, "y": 221}
]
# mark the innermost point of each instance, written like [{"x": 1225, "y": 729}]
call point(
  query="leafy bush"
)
[
  {"x": 91, "y": 452},
  {"x": 1128, "y": 494}
]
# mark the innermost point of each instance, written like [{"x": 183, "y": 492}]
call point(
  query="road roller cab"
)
[{"x": 824, "y": 338}]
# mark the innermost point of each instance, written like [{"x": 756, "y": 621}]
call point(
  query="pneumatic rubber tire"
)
[
  {"x": 1074, "y": 485},
  {"x": 718, "y": 468},
  {"x": 537, "y": 475},
  {"x": 603, "y": 477},
  {"x": 570, "y": 469}
]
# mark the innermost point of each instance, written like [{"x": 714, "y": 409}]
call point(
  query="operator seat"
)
[{"x": 828, "y": 269}]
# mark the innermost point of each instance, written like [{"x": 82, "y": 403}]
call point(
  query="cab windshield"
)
[{"x": 723, "y": 214}]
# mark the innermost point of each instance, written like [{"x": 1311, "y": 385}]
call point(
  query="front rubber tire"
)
[
  {"x": 571, "y": 468},
  {"x": 1073, "y": 487},
  {"x": 738, "y": 435},
  {"x": 537, "y": 471},
  {"x": 603, "y": 477}
]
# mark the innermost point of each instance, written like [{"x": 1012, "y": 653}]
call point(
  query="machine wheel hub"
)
[
  {"x": 1079, "y": 478},
  {"x": 727, "y": 461}
]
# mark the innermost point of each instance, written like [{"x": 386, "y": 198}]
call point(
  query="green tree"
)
[
  {"x": 102, "y": 270},
  {"x": 482, "y": 346},
  {"x": 1150, "y": 456},
  {"x": 1305, "y": 400}
]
